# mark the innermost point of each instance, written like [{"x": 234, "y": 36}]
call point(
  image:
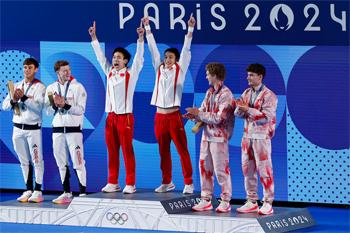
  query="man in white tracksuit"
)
[
  {"x": 27, "y": 140},
  {"x": 68, "y": 109},
  {"x": 119, "y": 130},
  {"x": 216, "y": 112},
  {"x": 167, "y": 94}
]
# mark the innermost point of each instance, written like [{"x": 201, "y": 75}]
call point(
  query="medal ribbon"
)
[
  {"x": 28, "y": 86},
  {"x": 251, "y": 94},
  {"x": 213, "y": 97},
  {"x": 59, "y": 90}
]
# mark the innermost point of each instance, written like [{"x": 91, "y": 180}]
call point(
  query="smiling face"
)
[
  {"x": 169, "y": 59},
  {"x": 254, "y": 79},
  {"x": 29, "y": 71},
  {"x": 211, "y": 78},
  {"x": 118, "y": 61},
  {"x": 64, "y": 73}
]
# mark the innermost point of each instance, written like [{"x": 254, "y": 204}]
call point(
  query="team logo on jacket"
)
[
  {"x": 34, "y": 146},
  {"x": 77, "y": 148}
]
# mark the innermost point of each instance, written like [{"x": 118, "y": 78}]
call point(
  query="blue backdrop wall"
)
[{"x": 304, "y": 47}]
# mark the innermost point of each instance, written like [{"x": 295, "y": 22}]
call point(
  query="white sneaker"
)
[
  {"x": 64, "y": 198},
  {"x": 129, "y": 189},
  {"x": 165, "y": 188},
  {"x": 110, "y": 188},
  {"x": 25, "y": 196},
  {"x": 224, "y": 207},
  {"x": 82, "y": 194},
  {"x": 203, "y": 205},
  {"x": 37, "y": 196},
  {"x": 188, "y": 189},
  {"x": 266, "y": 209},
  {"x": 248, "y": 207}
]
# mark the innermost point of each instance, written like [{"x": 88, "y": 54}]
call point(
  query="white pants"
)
[
  {"x": 214, "y": 157},
  {"x": 256, "y": 156},
  {"x": 64, "y": 143},
  {"x": 28, "y": 147}
]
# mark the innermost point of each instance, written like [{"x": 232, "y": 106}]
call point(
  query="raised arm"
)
[
  {"x": 92, "y": 32},
  {"x": 185, "y": 56},
  {"x": 191, "y": 24},
  {"x": 152, "y": 46},
  {"x": 138, "y": 60},
  {"x": 140, "y": 32},
  {"x": 105, "y": 65}
]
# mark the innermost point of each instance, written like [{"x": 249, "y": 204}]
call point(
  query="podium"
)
[{"x": 141, "y": 210}]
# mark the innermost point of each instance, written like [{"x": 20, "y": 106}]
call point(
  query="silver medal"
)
[
  {"x": 63, "y": 111},
  {"x": 24, "y": 107}
]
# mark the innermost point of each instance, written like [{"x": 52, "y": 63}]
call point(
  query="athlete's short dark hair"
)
[
  {"x": 257, "y": 68},
  {"x": 31, "y": 61},
  {"x": 125, "y": 53},
  {"x": 58, "y": 64},
  {"x": 174, "y": 51}
]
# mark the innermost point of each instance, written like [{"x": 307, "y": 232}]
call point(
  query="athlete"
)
[
  {"x": 27, "y": 142},
  {"x": 121, "y": 82},
  {"x": 257, "y": 107},
  {"x": 68, "y": 110},
  {"x": 217, "y": 113},
  {"x": 167, "y": 93}
]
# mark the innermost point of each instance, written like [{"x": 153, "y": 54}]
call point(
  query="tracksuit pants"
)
[
  {"x": 256, "y": 156},
  {"x": 119, "y": 131},
  {"x": 63, "y": 145},
  {"x": 214, "y": 158},
  {"x": 171, "y": 127},
  {"x": 28, "y": 147}
]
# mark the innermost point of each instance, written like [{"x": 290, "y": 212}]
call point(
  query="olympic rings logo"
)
[{"x": 117, "y": 218}]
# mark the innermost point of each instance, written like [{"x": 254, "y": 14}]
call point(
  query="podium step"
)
[{"x": 140, "y": 210}]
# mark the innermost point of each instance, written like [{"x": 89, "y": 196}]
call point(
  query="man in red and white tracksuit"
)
[
  {"x": 121, "y": 82},
  {"x": 167, "y": 93},
  {"x": 258, "y": 107},
  {"x": 27, "y": 139},
  {"x": 217, "y": 113},
  {"x": 68, "y": 111}
]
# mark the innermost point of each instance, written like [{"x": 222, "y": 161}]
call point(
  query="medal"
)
[
  {"x": 63, "y": 111},
  {"x": 24, "y": 107}
]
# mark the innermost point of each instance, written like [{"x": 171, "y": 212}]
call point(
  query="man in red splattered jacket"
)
[
  {"x": 257, "y": 107},
  {"x": 217, "y": 113}
]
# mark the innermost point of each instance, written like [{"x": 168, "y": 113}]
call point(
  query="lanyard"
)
[
  {"x": 59, "y": 89},
  {"x": 28, "y": 86},
  {"x": 213, "y": 97},
  {"x": 251, "y": 94}
]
